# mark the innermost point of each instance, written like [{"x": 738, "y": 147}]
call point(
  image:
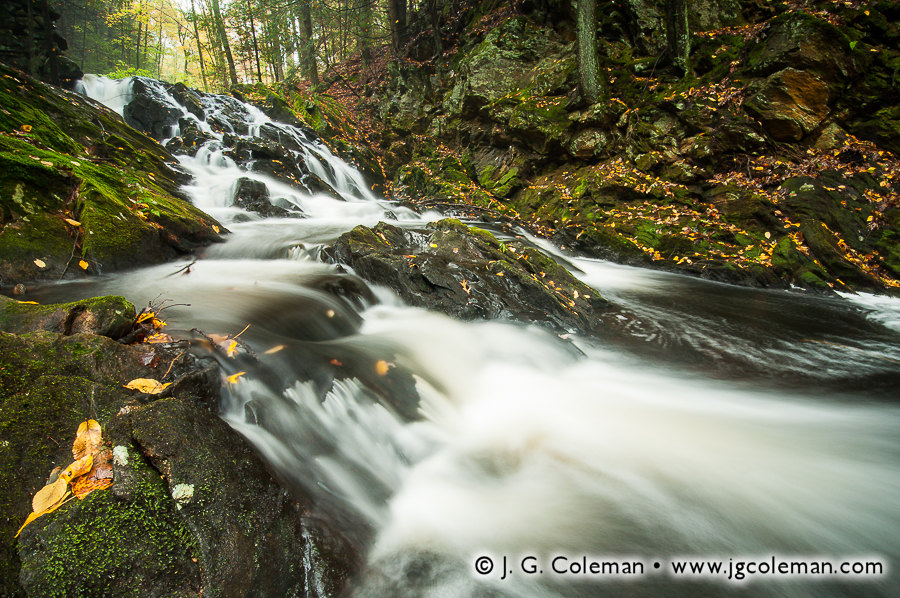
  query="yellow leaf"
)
[
  {"x": 231, "y": 349},
  {"x": 768, "y": 235},
  {"x": 382, "y": 367},
  {"x": 46, "y": 163},
  {"x": 274, "y": 349},
  {"x": 88, "y": 439},
  {"x": 234, "y": 377},
  {"x": 72, "y": 222},
  {"x": 83, "y": 264},
  {"x": 40, "y": 263},
  {"x": 157, "y": 323},
  {"x": 78, "y": 468},
  {"x": 147, "y": 385},
  {"x": 147, "y": 315},
  {"x": 49, "y": 495},
  {"x": 26, "y": 128},
  {"x": 31, "y": 517},
  {"x": 216, "y": 228}
]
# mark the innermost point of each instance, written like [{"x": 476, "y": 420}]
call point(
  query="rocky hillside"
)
[{"x": 774, "y": 163}]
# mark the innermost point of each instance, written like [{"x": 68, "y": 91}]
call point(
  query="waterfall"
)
[{"x": 711, "y": 421}]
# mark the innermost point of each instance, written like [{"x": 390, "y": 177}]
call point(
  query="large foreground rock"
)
[{"x": 192, "y": 510}]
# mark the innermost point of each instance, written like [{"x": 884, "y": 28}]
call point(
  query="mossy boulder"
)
[
  {"x": 78, "y": 185},
  {"x": 104, "y": 316},
  {"x": 468, "y": 273},
  {"x": 800, "y": 41},
  {"x": 192, "y": 510}
]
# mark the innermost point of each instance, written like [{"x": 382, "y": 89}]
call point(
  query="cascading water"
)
[{"x": 711, "y": 421}]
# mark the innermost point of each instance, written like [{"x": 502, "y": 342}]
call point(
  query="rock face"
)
[
  {"x": 192, "y": 510},
  {"x": 467, "y": 273},
  {"x": 30, "y": 42},
  {"x": 790, "y": 104},
  {"x": 692, "y": 174},
  {"x": 78, "y": 185}
]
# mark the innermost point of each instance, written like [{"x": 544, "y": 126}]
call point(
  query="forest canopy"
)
[{"x": 213, "y": 43}]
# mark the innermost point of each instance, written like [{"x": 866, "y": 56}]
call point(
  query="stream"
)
[{"x": 710, "y": 422}]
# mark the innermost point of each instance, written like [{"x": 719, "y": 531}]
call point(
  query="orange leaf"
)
[
  {"x": 83, "y": 264},
  {"x": 234, "y": 377},
  {"x": 72, "y": 222}
]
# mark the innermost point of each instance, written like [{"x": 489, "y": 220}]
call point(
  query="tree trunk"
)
[
  {"x": 364, "y": 32},
  {"x": 137, "y": 51},
  {"x": 678, "y": 35},
  {"x": 199, "y": 47},
  {"x": 223, "y": 35},
  {"x": 307, "y": 49},
  {"x": 255, "y": 44},
  {"x": 397, "y": 18},
  {"x": 433, "y": 12},
  {"x": 588, "y": 69}
]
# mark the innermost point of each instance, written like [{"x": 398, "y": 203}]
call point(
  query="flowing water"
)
[{"x": 710, "y": 422}]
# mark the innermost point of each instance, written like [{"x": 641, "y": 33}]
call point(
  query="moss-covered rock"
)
[
  {"x": 468, "y": 273},
  {"x": 78, "y": 185},
  {"x": 104, "y": 546},
  {"x": 105, "y": 316},
  {"x": 192, "y": 510}
]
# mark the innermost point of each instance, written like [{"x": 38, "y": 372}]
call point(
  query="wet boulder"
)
[
  {"x": 151, "y": 111},
  {"x": 253, "y": 195},
  {"x": 470, "y": 274},
  {"x": 192, "y": 509}
]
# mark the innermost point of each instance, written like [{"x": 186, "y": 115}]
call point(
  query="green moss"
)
[
  {"x": 100, "y": 172},
  {"x": 102, "y": 546}
]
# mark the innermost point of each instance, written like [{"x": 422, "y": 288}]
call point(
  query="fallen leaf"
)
[
  {"x": 78, "y": 468},
  {"x": 40, "y": 263},
  {"x": 382, "y": 367},
  {"x": 231, "y": 349},
  {"x": 46, "y": 163},
  {"x": 83, "y": 264},
  {"x": 26, "y": 128},
  {"x": 159, "y": 337},
  {"x": 49, "y": 495},
  {"x": 234, "y": 377},
  {"x": 72, "y": 222},
  {"x": 216, "y": 228},
  {"x": 143, "y": 317},
  {"x": 85, "y": 485},
  {"x": 147, "y": 385},
  {"x": 88, "y": 439}
]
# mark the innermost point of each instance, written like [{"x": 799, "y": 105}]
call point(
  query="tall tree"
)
[
  {"x": 199, "y": 45},
  {"x": 255, "y": 43},
  {"x": 307, "y": 45},
  {"x": 396, "y": 11},
  {"x": 592, "y": 88},
  {"x": 678, "y": 35},
  {"x": 223, "y": 39}
]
